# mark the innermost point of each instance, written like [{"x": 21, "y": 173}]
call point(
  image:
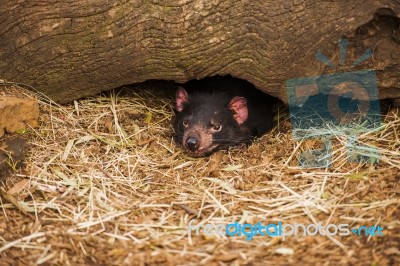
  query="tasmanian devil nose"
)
[{"x": 192, "y": 143}]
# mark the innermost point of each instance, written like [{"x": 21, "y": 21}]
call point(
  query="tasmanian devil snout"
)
[
  {"x": 192, "y": 142},
  {"x": 218, "y": 113}
]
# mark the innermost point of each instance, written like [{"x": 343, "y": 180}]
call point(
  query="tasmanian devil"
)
[{"x": 219, "y": 112}]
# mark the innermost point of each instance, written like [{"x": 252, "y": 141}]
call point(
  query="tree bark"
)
[{"x": 70, "y": 49}]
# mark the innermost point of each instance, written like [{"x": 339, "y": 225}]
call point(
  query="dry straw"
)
[{"x": 105, "y": 183}]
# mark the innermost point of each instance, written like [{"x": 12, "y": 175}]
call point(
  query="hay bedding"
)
[{"x": 104, "y": 184}]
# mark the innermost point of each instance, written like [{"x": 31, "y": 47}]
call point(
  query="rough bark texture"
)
[{"x": 69, "y": 49}]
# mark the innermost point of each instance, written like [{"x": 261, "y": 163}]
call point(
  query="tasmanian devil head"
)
[{"x": 207, "y": 121}]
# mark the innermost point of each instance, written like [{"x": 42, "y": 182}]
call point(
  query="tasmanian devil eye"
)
[
  {"x": 185, "y": 123},
  {"x": 216, "y": 127}
]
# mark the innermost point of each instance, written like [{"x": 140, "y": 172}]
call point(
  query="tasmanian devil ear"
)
[
  {"x": 239, "y": 107},
  {"x": 181, "y": 97}
]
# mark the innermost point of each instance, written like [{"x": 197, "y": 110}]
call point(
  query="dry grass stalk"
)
[{"x": 106, "y": 181}]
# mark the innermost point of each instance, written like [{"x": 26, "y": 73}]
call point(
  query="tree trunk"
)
[{"x": 70, "y": 49}]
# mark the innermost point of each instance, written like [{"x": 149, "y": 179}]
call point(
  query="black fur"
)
[{"x": 208, "y": 102}]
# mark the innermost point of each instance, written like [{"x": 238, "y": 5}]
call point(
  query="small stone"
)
[
  {"x": 11, "y": 156},
  {"x": 16, "y": 113}
]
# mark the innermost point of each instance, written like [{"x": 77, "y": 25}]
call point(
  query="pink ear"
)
[
  {"x": 239, "y": 107},
  {"x": 181, "y": 97}
]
